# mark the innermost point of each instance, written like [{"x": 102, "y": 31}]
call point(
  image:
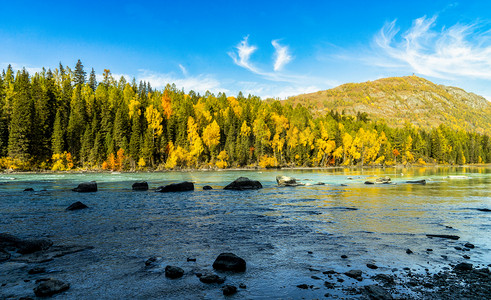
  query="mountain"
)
[{"x": 398, "y": 100}]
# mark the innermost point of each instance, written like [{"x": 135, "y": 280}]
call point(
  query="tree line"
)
[{"x": 62, "y": 120}]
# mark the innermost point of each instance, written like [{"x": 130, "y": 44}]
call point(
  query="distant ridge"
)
[{"x": 398, "y": 100}]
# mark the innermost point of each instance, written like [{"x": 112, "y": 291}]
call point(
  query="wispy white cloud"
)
[
  {"x": 461, "y": 50},
  {"x": 243, "y": 55},
  {"x": 16, "y": 67},
  {"x": 282, "y": 55},
  {"x": 183, "y": 70}
]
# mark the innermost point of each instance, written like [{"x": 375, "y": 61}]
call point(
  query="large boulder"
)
[
  {"x": 384, "y": 180},
  {"x": 176, "y": 187},
  {"x": 86, "y": 187},
  {"x": 286, "y": 181},
  {"x": 140, "y": 186},
  {"x": 50, "y": 287},
  {"x": 243, "y": 183},
  {"x": 229, "y": 262},
  {"x": 76, "y": 206}
]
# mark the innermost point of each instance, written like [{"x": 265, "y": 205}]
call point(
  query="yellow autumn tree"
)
[
  {"x": 195, "y": 143},
  {"x": 154, "y": 119},
  {"x": 211, "y": 136},
  {"x": 222, "y": 160}
]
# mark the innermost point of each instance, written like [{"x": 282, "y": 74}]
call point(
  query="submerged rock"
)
[
  {"x": 173, "y": 272},
  {"x": 86, "y": 187},
  {"x": 463, "y": 267},
  {"x": 229, "y": 290},
  {"x": 286, "y": 181},
  {"x": 36, "y": 270},
  {"x": 29, "y": 190},
  {"x": 140, "y": 186},
  {"x": 4, "y": 255},
  {"x": 176, "y": 187},
  {"x": 444, "y": 236},
  {"x": 76, "y": 206},
  {"x": 377, "y": 292},
  {"x": 356, "y": 274},
  {"x": 211, "y": 278},
  {"x": 50, "y": 287},
  {"x": 8, "y": 241},
  {"x": 243, "y": 183},
  {"x": 384, "y": 180},
  {"x": 372, "y": 266},
  {"x": 423, "y": 181},
  {"x": 229, "y": 262}
]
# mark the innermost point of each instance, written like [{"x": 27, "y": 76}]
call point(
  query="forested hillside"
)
[
  {"x": 60, "y": 120},
  {"x": 405, "y": 99}
]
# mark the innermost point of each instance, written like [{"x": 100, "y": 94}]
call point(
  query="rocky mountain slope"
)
[{"x": 401, "y": 99}]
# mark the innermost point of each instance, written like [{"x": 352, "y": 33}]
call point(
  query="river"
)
[{"x": 286, "y": 234}]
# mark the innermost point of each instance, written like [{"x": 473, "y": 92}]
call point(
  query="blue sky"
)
[{"x": 266, "y": 48}]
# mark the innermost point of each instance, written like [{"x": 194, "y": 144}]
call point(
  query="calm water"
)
[{"x": 280, "y": 232}]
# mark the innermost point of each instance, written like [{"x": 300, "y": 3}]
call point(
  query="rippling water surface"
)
[{"x": 281, "y": 232}]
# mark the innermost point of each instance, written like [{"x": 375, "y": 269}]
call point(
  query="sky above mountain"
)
[{"x": 265, "y": 48}]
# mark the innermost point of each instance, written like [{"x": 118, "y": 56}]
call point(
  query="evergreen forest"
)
[{"x": 65, "y": 120}]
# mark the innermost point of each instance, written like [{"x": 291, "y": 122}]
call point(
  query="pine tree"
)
[
  {"x": 20, "y": 135},
  {"x": 76, "y": 122},
  {"x": 79, "y": 74},
  {"x": 92, "y": 80}
]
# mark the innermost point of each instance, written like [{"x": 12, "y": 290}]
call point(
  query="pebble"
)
[
  {"x": 344, "y": 256},
  {"x": 408, "y": 251},
  {"x": 372, "y": 266}
]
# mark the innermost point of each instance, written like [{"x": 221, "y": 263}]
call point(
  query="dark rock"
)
[
  {"x": 409, "y": 251},
  {"x": 286, "y": 181},
  {"x": 444, "y": 236},
  {"x": 386, "y": 279},
  {"x": 36, "y": 270},
  {"x": 429, "y": 250},
  {"x": 173, "y": 272},
  {"x": 229, "y": 262},
  {"x": 229, "y": 290},
  {"x": 354, "y": 274},
  {"x": 377, "y": 292},
  {"x": 152, "y": 261},
  {"x": 176, "y": 187},
  {"x": 86, "y": 187},
  {"x": 372, "y": 266},
  {"x": 469, "y": 245},
  {"x": 416, "y": 181},
  {"x": 463, "y": 267},
  {"x": 329, "y": 272},
  {"x": 140, "y": 186},
  {"x": 340, "y": 280},
  {"x": 344, "y": 256},
  {"x": 76, "y": 206},
  {"x": 31, "y": 246},
  {"x": 243, "y": 183},
  {"x": 211, "y": 278},
  {"x": 50, "y": 287},
  {"x": 315, "y": 277},
  {"x": 207, "y": 188},
  {"x": 484, "y": 209},
  {"x": 303, "y": 286},
  {"x": 329, "y": 285},
  {"x": 242, "y": 286},
  {"x": 458, "y": 248},
  {"x": 310, "y": 252},
  {"x": 369, "y": 182},
  {"x": 29, "y": 190},
  {"x": 466, "y": 256},
  {"x": 191, "y": 259}
]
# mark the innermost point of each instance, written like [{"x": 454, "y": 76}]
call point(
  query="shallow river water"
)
[{"x": 285, "y": 234}]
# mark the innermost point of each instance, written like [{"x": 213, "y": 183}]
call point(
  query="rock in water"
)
[
  {"x": 356, "y": 274},
  {"x": 384, "y": 180},
  {"x": 77, "y": 205},
  {"x": 211, "y": 278},
  {"x": 50, "y": 287},
  {"x": 29, "y": 190},
  {"x": 243, "y": 183},
  {"x": 86, "y": 187},
  {"x": 229, "y": 290},
  {"x": 173, "y": 272},
  {"x": 229, "y": 262},
  {"x": 207, "y": 188},
  {"x": 176, "y": 187},
  {"x": 423, "y": 181},
  {"x": 463, "y": 267},
  {"x": 377, "y": 292},
  {"x": 286, "y": 181},
  {"x": 23, "y": 246},
  {"x": 444, "y": 236},
  {"x": 140, "y": 186}
]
